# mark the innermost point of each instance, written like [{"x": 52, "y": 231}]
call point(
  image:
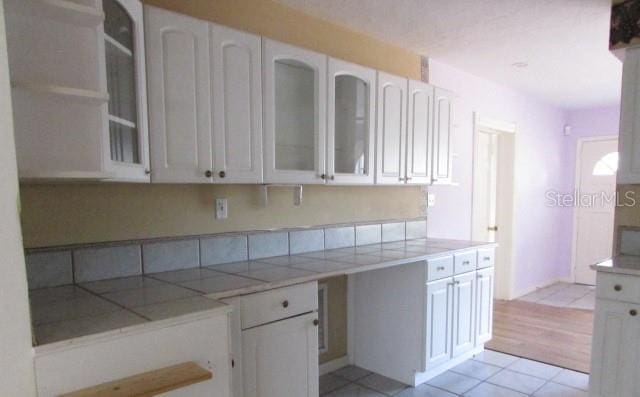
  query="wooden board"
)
[
  {"x": 149, "y": 383},
  {"x": 554, "y": 335}
]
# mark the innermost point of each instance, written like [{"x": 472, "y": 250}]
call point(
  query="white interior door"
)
[
  {"x": 485, "y": 195},
  {"x": 596, "y": 183}
]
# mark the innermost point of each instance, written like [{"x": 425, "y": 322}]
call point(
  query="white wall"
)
[
  {"x": 16, "y": 353},
  {"x": 543, "y": 238}
]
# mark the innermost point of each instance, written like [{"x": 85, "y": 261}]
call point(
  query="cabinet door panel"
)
[
  {"x": 442, "y": 137},
  {"x": 464, "y": 301},
  {"x": 390, "y": 149},
  {"x": 420, "y": 133},
  {"x": 295, "y": 94},
  {"x": 351, "y": 123},
  {"x": 439, "y": 322},
  {"x": 281, "y": 359},
  {"x": 616, "y": 350},
  {"x": 179, "y": 100},
  {"x": 484, "y": 306},
  {"x": 237, "y": 106}
]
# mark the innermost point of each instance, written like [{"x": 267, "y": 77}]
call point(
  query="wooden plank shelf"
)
[{"x": 149, "y": 383}]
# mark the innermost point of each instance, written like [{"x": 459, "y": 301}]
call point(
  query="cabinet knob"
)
[
  {"x": 440, "y": 268},
  {"x": 208, "y": 173},
  {"x": 480, "y": 276},
  {"x": 617, "y": 287},
  {"x": 633, "y": 312},
  {"x": 323, "y": 176},
  {"x": 486, "y": 258},
  {"x": 465, "y": 262},
  {"x": 285, "y": 304},
  {"x": 147, "y": 171},
  {"x": 222, "y": 174},
  {"x": 408, "y": 179},
  {"x": 316, "y": 322},
  {"x": 333, "y": 177}
]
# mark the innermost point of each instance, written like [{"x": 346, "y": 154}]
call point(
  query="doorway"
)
[
  {"x": 493, "y": 194},
  {"x": 596, "y": 167}
]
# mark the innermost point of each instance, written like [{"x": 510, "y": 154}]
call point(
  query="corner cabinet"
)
[
  {"x": 204, "y": 101},
  {"x": 295, "y": 99},
  {"x": 79, "y": 89}
]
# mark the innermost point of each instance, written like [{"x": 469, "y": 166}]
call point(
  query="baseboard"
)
[
  {"x": 529, "y": 290},
  {"x": 333, "y": 365}
]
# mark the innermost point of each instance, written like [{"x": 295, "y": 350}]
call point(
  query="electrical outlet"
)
[
  {"x": 431, "y": 200},
  {"x": 221, "y": 208}
]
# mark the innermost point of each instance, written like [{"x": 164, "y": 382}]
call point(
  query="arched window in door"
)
[{"x": 607, "y": 165}]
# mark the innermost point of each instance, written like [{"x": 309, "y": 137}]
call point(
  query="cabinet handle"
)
[
  {"x": 401, "y": 179},
  {"x": 465, "y": 262},
  {"x": 456, "y": 282},
  {"x": 208, "y": 173},
  {"x": 222, "y": 174},
  {"x": 147, "y": 171},
  {"x": 480, "y": 276},
  {"x": 633, "y": 312},
  {"x": 323, "y": 176},
  {"x": 440, "y": 268},
  {"x": 618, "y": 287},
  {"x": 407, "y": 179},
  {"x": 333, "y": 177},
  {"x": 486, "y": 258},
  {"x": 316, "y": 322},
  {"x": 285, "y": 304}
]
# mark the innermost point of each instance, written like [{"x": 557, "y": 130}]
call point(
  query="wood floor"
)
[{"x": 554, "y": 335}]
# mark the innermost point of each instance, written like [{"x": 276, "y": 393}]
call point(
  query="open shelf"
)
[
  {"x": 75, "y": 94},
  {"x": 64, "y": 11}
]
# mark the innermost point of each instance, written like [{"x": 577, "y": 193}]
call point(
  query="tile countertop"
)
[
  {"x": 73, "y": 311},
  {"x": 621, "y": 264}
]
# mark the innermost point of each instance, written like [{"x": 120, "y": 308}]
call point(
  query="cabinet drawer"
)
[
  {"x": 439, "y": 268},
  {"x": 486, "y": 257},
  {"x": 464, "y": 262},
  {"x": 265, "y": 307},
  {"x": 618, "y": 287}
]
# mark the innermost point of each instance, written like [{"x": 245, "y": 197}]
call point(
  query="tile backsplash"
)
[{"x": 55, "y": 266}]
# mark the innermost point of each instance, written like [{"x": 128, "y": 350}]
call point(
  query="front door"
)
[{"x": 596, "y": 185}]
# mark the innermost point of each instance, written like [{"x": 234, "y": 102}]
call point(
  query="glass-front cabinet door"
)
[
  {"x": 350, "y": 123},
  {"x": 128, "y": 156},
  {"x": 294, "y": 114}
]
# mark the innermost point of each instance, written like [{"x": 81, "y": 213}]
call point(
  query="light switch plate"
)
[
  {"x": 431, "y": 200},
  {"x": 221, "y": 208}
]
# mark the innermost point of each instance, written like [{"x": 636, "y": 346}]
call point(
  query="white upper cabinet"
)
[
  {"x": 179, "y": 97},
  {"x": 442, "y": 137},
  {"x": 79, "y": 100},
  {"x": 629, "y": 140},
  {"x": 295, "y": 98},
  {"x": 419, "y": 133},
  {"x": 391, "y": 129},
  {"x": 237, "y": 106},
  {"x": 350, "y": 123}
]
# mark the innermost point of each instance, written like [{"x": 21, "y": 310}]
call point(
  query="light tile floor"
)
[
  {"x": 489, "y": 374},
  {"x": 577, "y": 296}
]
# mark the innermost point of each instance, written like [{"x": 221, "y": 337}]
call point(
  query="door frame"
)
[
  {"x": 505, "y": 289},
  {"x": 576, "y": 180}
]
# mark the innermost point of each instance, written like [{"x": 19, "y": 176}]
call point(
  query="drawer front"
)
[
  {"x": 486, "y": 257},
  {"x": 619, "y": 287},
  {"x": 465, "y": 262},
  {"x": 439, "y": 268},
  {"x": 265, "y": 307}
]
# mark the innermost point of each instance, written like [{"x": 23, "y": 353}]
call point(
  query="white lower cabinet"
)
[
  {"x": 616, "y": 338},
  {"x": 281, "y": 359},
  {"x": 274, "y": 337},
  {"x": 415, "y": 321}
]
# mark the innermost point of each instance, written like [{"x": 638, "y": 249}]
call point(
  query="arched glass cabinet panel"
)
[{"x": 121, "y": 83}]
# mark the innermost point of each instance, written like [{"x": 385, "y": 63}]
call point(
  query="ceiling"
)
[{"x": 563, "y": 42}]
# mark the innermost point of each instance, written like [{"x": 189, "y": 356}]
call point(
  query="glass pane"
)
[
  {"x": 295, "y": 116},
  {"x": 351, "y": 125},
  {"x": 607, "y": 165},
  {"x": 121, "y": 83},
  {"x": 124, "y": 143},
  {"x": 117, "y": 23}
]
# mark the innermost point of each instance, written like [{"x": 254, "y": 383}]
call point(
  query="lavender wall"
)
[{"x": 543, "y": 234}]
